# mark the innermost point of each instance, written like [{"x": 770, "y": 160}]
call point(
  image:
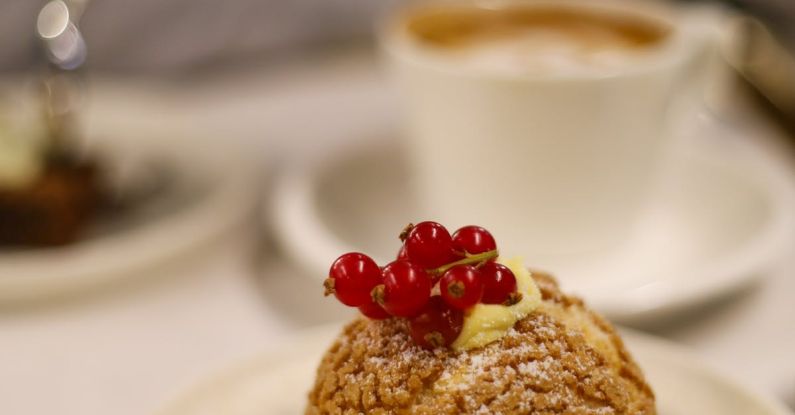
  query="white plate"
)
[
  {"x": 725, "y": 212},
  {"x": 277, "y": 382},
  {"x": 200, "y": 200}
]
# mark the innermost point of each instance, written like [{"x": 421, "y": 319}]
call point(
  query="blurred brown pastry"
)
[{"x": 51, "y": 208}]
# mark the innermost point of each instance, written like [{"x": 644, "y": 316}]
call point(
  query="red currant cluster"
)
[{"x": 463, "y": 265}]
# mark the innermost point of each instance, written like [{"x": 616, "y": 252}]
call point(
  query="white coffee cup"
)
[{"x": 554, "y": 159}]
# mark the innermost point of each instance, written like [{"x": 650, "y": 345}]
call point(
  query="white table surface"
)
[{"x": 130, "y": 349}]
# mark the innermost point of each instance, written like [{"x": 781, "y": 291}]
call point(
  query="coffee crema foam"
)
[{"x": 536, "y": 38}]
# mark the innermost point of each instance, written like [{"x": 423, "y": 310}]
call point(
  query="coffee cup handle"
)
[{"x": 706, "y": 72}]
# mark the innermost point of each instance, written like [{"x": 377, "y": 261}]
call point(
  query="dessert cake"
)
[
  {"x": 51, "y": 208},
  {"x": 477, "y": 335},
  {"x": 49, "y": 190}
]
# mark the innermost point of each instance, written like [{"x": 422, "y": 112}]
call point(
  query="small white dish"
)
[
  {"x": 725, "y": 212},
  {"x": 198, "y": 200},
  {"x": 277, "y": 382}
]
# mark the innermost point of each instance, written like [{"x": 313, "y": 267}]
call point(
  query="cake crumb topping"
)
[{"x": 560, "y": 359}]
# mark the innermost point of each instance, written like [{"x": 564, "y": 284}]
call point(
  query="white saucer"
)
[
  {"x": 199, "y": 201},
  {"x": 725, "y": 212},
  {"x": 277, "y": 382}
]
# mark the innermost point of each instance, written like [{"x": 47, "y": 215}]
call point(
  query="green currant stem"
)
[{"x": 470, "y": 259}]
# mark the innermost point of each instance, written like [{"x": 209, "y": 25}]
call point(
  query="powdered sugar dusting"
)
[{"x": 540, "y": 366}]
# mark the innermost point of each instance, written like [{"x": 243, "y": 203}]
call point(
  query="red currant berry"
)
[
  {"x": 351, "y": 278},
  {"x": 438, "y": 324},
  {"x": 403, "y": 254},
  {"x": 461, "y": 286},
  {"x": 429, "y": 245},
  {"x": 499, "y": 283},
  {"x": 405, "y": 290},
  {"x": 473, "y": 240},
  {"x": 373, "y": 311}
]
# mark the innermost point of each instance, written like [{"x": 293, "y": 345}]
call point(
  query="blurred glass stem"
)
[
  {"x": 60, "y": 95},
  {"x": 65, "y": 51}
]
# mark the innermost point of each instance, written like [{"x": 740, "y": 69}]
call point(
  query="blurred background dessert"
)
[{"x": 198, "y": 165}]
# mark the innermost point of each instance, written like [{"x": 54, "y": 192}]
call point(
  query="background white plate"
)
[
  {"x": 200, "y": 201},
  {"x": 130, "y": 128},
  {"x": 725, "y": 212},
  {"x": 277, "y": 382}
]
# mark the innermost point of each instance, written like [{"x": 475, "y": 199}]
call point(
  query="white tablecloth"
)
[{"x": 130, "y": 349}]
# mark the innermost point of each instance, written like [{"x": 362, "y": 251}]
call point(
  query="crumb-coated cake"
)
[
  {"x": 53, "y": 207},
  {"x": 542, "y": 353},
  {"x": 49, "y": 189}
]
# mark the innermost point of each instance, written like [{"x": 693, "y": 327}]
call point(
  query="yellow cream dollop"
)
[{"x": 486, "y": 323}]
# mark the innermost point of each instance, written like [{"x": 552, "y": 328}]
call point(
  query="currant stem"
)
[
  {"x": 513, "y": 298},
  {"x": 328, "y": 287},
  {"x": 435, "y": 339},
  {"x": 470, "y": 259},
  {"x": 377, "y": 294},
  {"x": 404, "y": 234}
]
